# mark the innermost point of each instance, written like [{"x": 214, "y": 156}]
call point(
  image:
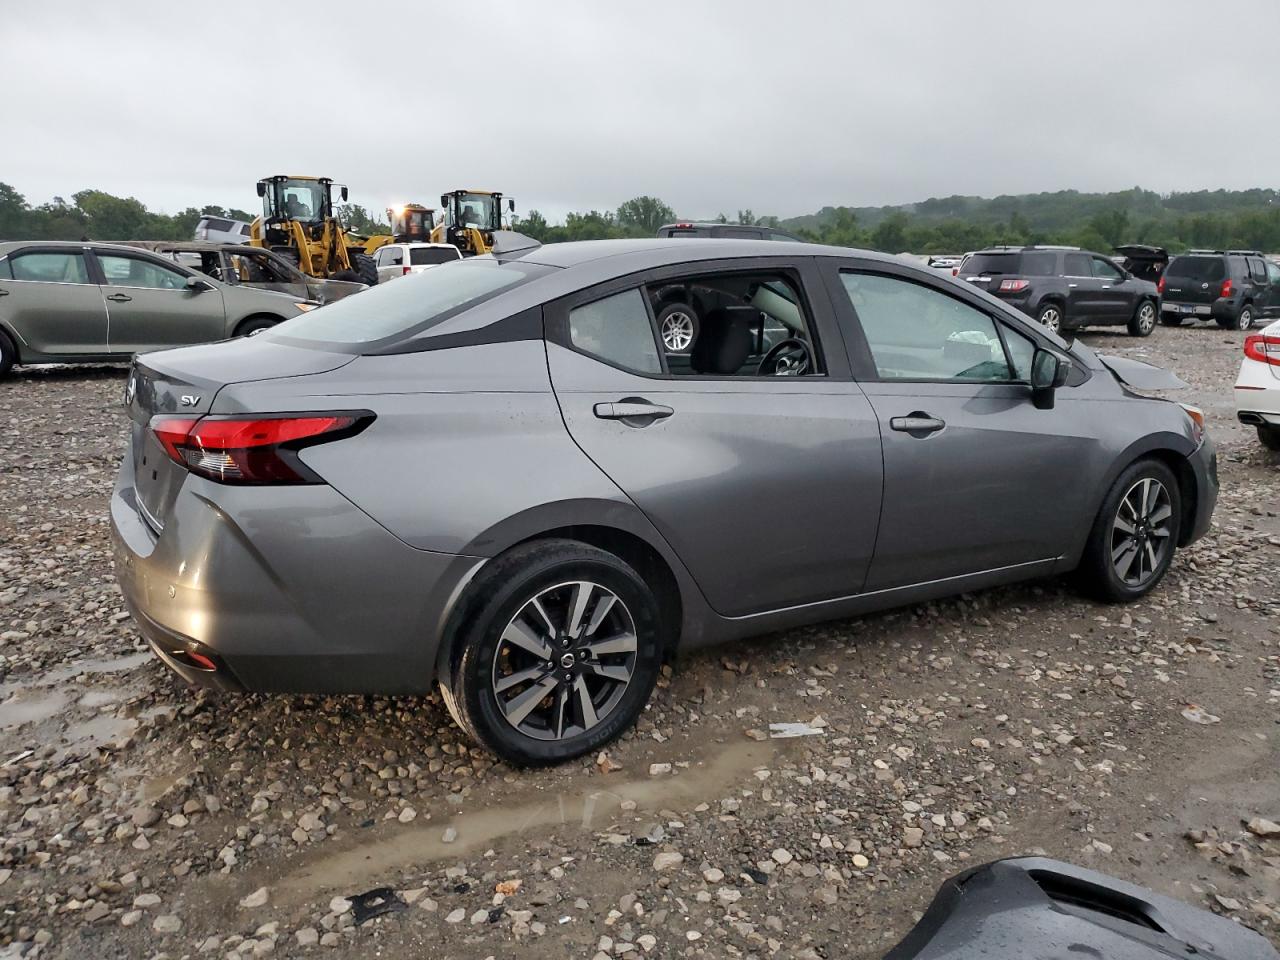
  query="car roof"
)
[
  {"x": 708, "y": 224},
  {"x": 131, "y": 246}
]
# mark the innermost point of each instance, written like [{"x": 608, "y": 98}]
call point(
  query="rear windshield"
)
[
  {"x": 991, "y": 263},
  {"x": 411, "y": 304},
  {"x": 1205, "y": 269},
  {"x": 212, "y": 223},
  {"x": 688, "y": 232},
  {"x": 424, "y": 256}
]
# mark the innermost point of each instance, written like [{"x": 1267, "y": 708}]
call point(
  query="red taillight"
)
[
  {"x": 406, "y": 271},
  {"x": 1264, "y": 349},
  {"x": 955, "y": 271},
  {"x": 1014, "y": 286},
  {"x": 1160, "y": 286},
  {"x": 250, "y": 450},
  {"x": 1226, "y": 288}
]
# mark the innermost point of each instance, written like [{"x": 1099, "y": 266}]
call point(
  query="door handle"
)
[
  {"x": 917, "y": 423},
  {"x": 632, "y": 410},
  {"x": 119, "y": 298}
]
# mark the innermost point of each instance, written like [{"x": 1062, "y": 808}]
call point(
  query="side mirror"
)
[
  {"x": 262, "y": 188},
  {"x": 444, "y": 201},
  {"x": 511, "y": 205},
  {"x": 343, "y": 192},
  {"x": 196, "y": 285},
  {"x": 1049, "y": 371}
]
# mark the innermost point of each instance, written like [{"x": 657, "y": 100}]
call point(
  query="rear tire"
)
[
  {"x": 8, "y": 355},
  {"x": 1134, "y": 536},
  {"x": 365, "y": 269},
  {"x": 1143, "y": 320},
  {"x": 255, "y": 325},
  {"x": 595, "y": 671},
  {"x": 1050, "y": 317},
  {"x": 1244, "y": 319},
  {"x": 1268, "y": 435}
]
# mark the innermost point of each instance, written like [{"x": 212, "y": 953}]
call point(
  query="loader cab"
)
[
  {"x": 471, "y": 218},
  {"x": 307, "y": 200},
  {"x": 411, "y": 223}
]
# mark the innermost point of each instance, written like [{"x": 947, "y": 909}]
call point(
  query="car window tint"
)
[
  {"x": 1041, "y": 264},
  {"x": 244, "y": 230},
  {"x": 1021, "y": 351},
  {"x": 1273, "y": 272},
  {"x": 6, "y": 272},
  {"x": 616, "y": 329},
  {"x": 212, "y": 223},
  {"x": 728, "y": 324},
  {"x": 738, "y": 233},
  {"x": 1076, "y": 265},
  {"x": 133, "y": 272},
  {"x": 1104, "y": 270},
  {"x": 1256, "y": 268},
  {"x": 50, "y": 267},
  {"x": 425, "y": 256},
  {"x": 393, "y": 257},
  {"x": 782, "y": 236},
  {"x": 917, "y": 333},
  {"x": 990, "y": 264},
  {"x": 1203, "y": 269}
]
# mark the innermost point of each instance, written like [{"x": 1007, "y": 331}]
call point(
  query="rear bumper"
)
[
  {"x": 282, "y": 589},
  {"x": 1220, "y": 309}
]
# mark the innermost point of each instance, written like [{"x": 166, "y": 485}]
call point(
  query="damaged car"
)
[{"x": 496, "y": 476}]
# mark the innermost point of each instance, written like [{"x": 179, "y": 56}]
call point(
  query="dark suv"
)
[
  {"x": 724, "y": 231},
  {"x": 1065, "y": 288},
  {"x": 1232, "y": 287}
]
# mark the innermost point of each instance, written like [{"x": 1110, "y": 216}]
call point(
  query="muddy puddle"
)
[{"x": 378, "y": 856}]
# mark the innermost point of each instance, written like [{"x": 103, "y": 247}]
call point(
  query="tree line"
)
[{"x": 1218, "y": 219}]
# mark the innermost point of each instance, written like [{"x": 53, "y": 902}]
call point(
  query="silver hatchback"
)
[{"x": 496, "y": 477}]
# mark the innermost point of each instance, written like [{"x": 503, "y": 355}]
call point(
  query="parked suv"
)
[
  {"x": 222, "y": 230},
  {"x": 1065, "y": 288},
  {"x": 1232, "y": 287},
  {"x": 401, "y": 259},
  {"x": 725, "y": 231}
]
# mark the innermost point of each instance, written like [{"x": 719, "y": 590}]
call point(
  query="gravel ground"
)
[{"x": 139, "y": 818}]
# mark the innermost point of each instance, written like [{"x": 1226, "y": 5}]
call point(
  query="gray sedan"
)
[
  {"x": 93, "y": 302},
  {"x": 495, "y": 476}
]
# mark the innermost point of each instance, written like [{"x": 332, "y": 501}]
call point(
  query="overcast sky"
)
[{"x": 781, "y": 107}]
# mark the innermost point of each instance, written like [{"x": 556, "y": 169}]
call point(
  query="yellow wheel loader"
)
[
  {"x": 411, "y": 223},
  {"x": 297, "y": 222},
  {"x": 471, "y": 218}
]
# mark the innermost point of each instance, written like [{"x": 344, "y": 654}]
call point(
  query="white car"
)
[
  {"x": 1258, "y": 386},
  {"x": 397, "y": 259}
]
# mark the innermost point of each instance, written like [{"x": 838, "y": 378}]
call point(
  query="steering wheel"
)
[{"x": 788, "y": 358}]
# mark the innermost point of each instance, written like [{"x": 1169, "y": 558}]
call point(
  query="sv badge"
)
[{"x": 189, "y": 400}]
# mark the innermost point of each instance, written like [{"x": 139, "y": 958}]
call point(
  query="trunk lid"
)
[{"x": 184, "y": 382}]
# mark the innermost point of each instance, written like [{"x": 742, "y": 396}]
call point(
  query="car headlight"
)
[
  {"x": 304, "y": 307},
  {"x": 1196, "y": 416}
]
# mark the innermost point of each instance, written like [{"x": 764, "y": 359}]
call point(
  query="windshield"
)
[
  {"x": 411, "y": 304},
  {"x": 306, "y": 200},
  {"x": 1203, "y": 269},
  {"x": 988, "y": 263},
  {"x": 476, "y": 210}
]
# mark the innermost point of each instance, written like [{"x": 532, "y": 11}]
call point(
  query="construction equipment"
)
[
  {"x": 411, "y": 223},
  {"x": 471, "y": 217},
  {"x": 297, "y": 222}
]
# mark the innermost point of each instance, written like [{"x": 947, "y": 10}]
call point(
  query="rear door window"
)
[
  {"x": 50, "y": 267},
  {"x": 1273, "y": 273},
  {"x": 917, "y": 333},
  {"x": 1202, "y": 269},
  {"x": 1257, "y": 270},
  {"x": 1042, "y": 263},
  {"x": 616, "y": 330},
  {"x": 1077, "y": 265},
  {"x": 391, "y": 257}
]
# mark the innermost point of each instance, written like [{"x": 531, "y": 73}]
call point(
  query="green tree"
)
[
  {"x": 359, "y": 220},
  {"x": 644, "y": 215},
  {"x": 109, "y": 217}
]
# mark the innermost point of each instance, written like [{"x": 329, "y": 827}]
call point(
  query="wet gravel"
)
[{"x": 139, "y": 818}]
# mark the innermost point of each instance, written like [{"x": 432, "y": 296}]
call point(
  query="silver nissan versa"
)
[{"x": 496, "y": 476}]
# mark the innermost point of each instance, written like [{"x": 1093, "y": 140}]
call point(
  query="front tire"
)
[
  {"x": 255, "y": 326},
  {"x": 1269, "y": 436},
  {"x": 8, "y": 355},
  {"x": 558, "y": 653},
  {"x": 1143, "y": 320},
  {"x": 1050, "y": 317},
  {"x": 1135, "y": 534}
]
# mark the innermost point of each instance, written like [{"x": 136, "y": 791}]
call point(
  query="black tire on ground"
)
[
  {"x": 1268, "y": 435},
  {"x": 1097, "y": 574},
  {"x": 366, "y": 270},
  {"x": 1051, "y": 317},
  {"x": 1244, "y": 319},
  {"x": 8, "y": 355},
  {"x": 1143, "y": 320},
  {"x": 255, "y": 325},
  {"x": 502, "y": 595},
  {"x": 678, "y": 327},
  {"x": 349, "y": 276}
]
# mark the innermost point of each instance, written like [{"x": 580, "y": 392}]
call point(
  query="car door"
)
[
  {"x": 1261, "y": 295},
  {"x": 767, "y": 487},
  {"x": 1084, "y": 291},
  {"x": 976, "y": 478},
  {"x": 1117, "y": 293},
  {"x": 149, "y": 305},
  {"x": 390, "y": 263},
  {"x": 49, "y": 298},
  {"x": 1273, "y": 289}
]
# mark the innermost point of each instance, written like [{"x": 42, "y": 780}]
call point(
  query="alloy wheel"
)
[
  {"x": 1051, "y": 319},
  {"x": 1245, "y": 320},
  {"x": 1141, "y": 532},
  {"x": 564, "y": 660},
  {"x": 677, "y": 331},
  {"x": 1146, "y": 318}
]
